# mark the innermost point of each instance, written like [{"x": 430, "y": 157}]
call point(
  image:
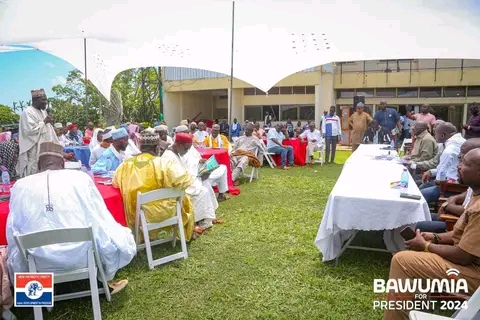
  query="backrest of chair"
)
[
  {"x": 473, "y": 307},
  {"x": 155, "y": 195},
  {"x": 49, "y": 237}
]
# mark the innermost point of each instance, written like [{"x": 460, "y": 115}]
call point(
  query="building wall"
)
[{"x": 394, "y": 81}]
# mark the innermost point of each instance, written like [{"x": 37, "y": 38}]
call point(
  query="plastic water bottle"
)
[
  {"x": 442, "y": 176},
  {"x": 404, "y": 178},
  {"x": 392, "y": 145},
  {"x": 5, "y": 180}
]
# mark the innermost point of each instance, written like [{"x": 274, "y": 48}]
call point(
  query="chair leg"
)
[
  {"x": 183, "y": 241},
  {"x": 92, "y": 274},
  {"x": 146, "y": 238}
]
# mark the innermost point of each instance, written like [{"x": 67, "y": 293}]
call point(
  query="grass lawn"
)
[{"x": 260, "y": 264}]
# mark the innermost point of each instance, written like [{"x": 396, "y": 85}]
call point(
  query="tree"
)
[
  {"x": 7, "y": 116},
  {"x": 139, "y": 89}
]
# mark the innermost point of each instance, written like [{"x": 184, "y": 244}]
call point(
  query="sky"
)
[{"x": 23, "y": 71}]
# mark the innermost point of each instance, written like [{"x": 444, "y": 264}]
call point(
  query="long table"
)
[
  {"x": 362, "y": 200},
  {"x": 111, "y": 196},
  {"x": 222, "y": 157},
  {"x": 299, "y": 151}
]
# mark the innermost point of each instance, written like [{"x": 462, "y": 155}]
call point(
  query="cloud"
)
[
  {"x": 49, "y": 65},
  {"x": 59, "y": 80}
]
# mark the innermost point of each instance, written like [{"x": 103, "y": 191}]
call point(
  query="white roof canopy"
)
[{"x": 273, "y": 38}]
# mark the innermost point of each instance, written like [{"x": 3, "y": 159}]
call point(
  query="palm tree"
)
[
  {"x": 14, "y": 108},
  {"x": 22, "y": 104}
]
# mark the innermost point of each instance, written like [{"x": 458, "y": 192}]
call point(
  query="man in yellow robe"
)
[
  {"x": 217, "y": 140},
  {"x": 147, "y": 172}
]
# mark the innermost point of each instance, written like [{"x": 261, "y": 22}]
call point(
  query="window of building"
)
[
  {"x": 473, "y": 92},
  {"x": 249, "y": 91},
  {"x": 452, "y": 92},
  {"x": 289, "y": 112},
  {"x": 273, "y": 110},
  {"x": 367, "y": 93},
  {"x": 431, "y": 92},
  {"x": 259, "y": 92},
  {"x": 310, "y": 90},
  {"x": 306, "y": 112},
  {"x": 286, "y": 90},
  {"x": 345, "y": 93},
  {"x": 407, "y": 92},
  {"x": 299, "y": 90},
  {"x": 253, "y": 113},
  {"x": 274, "y": 90},
  {"x": 385, "y": 93}
]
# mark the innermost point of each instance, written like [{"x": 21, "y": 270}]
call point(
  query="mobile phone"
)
[
  {"x": 407, "y": 234},
  {"x": 107, "y": 182},
  {"x": 410, "y": 196}
]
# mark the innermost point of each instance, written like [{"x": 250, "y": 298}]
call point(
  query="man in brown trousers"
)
[
  {"x": 432, "y": 254},
  {"x": 359, "y": 122}
]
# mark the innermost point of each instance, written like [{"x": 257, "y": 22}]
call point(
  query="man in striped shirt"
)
[{"x": 332, "y": 132}]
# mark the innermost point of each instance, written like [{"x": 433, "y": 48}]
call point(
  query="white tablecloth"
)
[{"x": 362, "y": 199}]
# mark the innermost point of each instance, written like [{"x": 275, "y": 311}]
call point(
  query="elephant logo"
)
[{"x": 34, "y": 289}]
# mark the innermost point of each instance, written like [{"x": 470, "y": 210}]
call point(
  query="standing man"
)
[
  {"x": 332, "y": 132},
  {"x": 359, "y": 122},
  {"x": 388, "y": 118},
  {"x": 423, "y": 116},
  {"x": 236, "y": 128},
  {"x": 472, "y": 128},
  {"x": 35, "y": 128},
  {"x": 224, "y": 128}
]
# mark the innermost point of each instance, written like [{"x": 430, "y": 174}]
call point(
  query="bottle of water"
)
[
  {"x": 5, "y": 180},
  {"x": 441, "y": 176},
  {"x": 392, "y": 145},
  {"x": 404, "y": 178}
]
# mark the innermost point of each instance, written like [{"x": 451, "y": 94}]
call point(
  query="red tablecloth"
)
[
  {"x": 111, "y": 196},
  {"x": 222, "y": 157},
  {"x": 299, "y": 152}
]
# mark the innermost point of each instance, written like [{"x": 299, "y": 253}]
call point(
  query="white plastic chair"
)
[
  {"x": 471, "y": 313},
  {"x": 94, "y": 264},
  {"x": 141, "y": 225},
  {"x": 268, "y": 155},
  {"x": 253, "y": 174}
]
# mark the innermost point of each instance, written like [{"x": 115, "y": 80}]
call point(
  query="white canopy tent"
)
[{"x": 273, "y": 39}]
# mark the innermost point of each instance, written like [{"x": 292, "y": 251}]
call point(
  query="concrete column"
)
[
  {"x": 172, "y": 108},
  {"x": 464, "y": 116},
  {"x": 374, "y": 109},
  {"x": 237, "y": 104},
  {"x": 324, "y": 95}
]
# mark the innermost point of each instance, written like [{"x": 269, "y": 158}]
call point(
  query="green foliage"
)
[
  {"x": 139, "y": 88},
  {"x": 146, "y": 125},
  {"x": 7, "y": 116}
]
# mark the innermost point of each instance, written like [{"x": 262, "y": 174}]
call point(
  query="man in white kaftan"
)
[
  {"x": 35, "y": 127},
  {"x": 203, "y": 198},
  {"x": 44, "y": 201},
  {"x": 315, "y": 141}
]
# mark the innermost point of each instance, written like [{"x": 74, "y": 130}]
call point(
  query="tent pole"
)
[
  {"x": 86, "y": 78},
  {"x": 230, "y": 91}
]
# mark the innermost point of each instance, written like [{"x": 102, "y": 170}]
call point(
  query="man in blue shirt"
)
[
  {"x": 332, "y": 132},
  {"x": 275, "y": 138},
  {"x": 387, "y": 118}
]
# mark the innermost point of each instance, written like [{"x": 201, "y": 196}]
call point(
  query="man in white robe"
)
[
  {"x": 203, "y": 198},
  {"x": 315, "y": 141},
  {"x": 217, "y": 178},
  {"x": 35, "y": 127},
  {"x": 44, "y": 201}
]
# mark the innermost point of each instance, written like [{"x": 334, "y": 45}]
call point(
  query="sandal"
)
[
  {"x": 117, "y": 286},
  {"x": 218, "y": 221}
]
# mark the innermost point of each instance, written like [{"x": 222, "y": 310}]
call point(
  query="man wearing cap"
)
[
  {"x": 114, "y": 155},
  {"x": 162, "y": 131},
  {"x": 59, "y": 130},
  {"x": 217, "y": 140},
  {"x": 359, "y": 122},
  {"x": 147, "y": 172},
  {"x": 35, "y": 127},
  {"x": 44, "y": 201},
  {"x": 99, "y": 149},
  {"x": 74, "y": 134},
  {"x": 200, "y": 191}
]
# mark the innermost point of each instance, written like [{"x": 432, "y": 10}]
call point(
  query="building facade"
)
[{"x": 447, "y": 85}]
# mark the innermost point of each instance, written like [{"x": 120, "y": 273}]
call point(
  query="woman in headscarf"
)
[
  {"x": 96, "y": 138},
  {"x": 9, "y": 153}
]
